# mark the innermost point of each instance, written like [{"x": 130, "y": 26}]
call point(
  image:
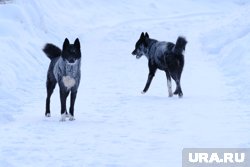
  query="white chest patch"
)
[{"x": 68, "y": 82}]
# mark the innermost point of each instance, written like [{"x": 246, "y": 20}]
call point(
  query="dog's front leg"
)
[
  {"x": 72, "y": 104},
  {"x": 63, "y": 97},
  {"x": 152, "y": 70}
]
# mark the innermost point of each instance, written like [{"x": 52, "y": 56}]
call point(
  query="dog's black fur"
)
[
  {"x": 64, "y": 69},
  {"x": 165, "y": 56}
]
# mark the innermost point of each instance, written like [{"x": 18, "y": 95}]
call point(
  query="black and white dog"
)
[
  {"x": 165, "y": 56},
  {"x": 64, "y": 69}
]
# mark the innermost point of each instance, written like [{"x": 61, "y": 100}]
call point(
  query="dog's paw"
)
[
  {"x": 143, "y": 92},
  {"x": 71, "y": 118},
  {"x": 47, "y": 115},
  {"x": 170, "y": 95},
  {"x": 63, "y": 118},
  {"x": 180, "y": 95}
]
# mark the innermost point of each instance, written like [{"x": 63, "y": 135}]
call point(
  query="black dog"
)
[
  {"x": 165, "y": 56},
  {"x": 64, "y": 69}
]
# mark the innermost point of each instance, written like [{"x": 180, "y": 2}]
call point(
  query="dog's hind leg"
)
[
  {"x": 63, "y": 97},
  {"x": 152, "y": 70},
  {"x": 72, "y": 104},
  {"x": 170, "y": 93},
  {"x": 50, "y": 85},
  {"x": 176, "y": 77}
]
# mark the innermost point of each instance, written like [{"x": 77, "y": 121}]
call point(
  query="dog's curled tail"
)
[
  {"x": 52, "y": 51},
  {"x": 180, "y": 45}
]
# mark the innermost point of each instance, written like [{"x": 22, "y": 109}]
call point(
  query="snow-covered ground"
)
[{"x": 115, "y": 125}]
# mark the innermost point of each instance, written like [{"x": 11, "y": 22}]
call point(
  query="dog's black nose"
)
[{"x": 133, "y": 53}]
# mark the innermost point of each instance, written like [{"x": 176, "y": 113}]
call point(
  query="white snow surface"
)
[{"x": 117, "y": 126}]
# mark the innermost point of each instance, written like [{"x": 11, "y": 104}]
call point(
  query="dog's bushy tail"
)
[
  {"x": 180, "y": 45},
  {"x": 52, "y": 51}
]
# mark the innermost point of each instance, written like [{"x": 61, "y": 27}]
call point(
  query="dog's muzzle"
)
[
  {"x": 135, "y": 54},
  {"x": 138, "y": 56}
]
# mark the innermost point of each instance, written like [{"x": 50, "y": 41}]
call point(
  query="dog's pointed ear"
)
[
  {"x": 142, "y": 35},
  {"x": 65, "y": 43},
  {"x": 146, "y": 35},
  {"x": 77, "y": 44}
]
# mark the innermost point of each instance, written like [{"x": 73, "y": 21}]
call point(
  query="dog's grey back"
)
[{"x": 157, "y": 51}]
